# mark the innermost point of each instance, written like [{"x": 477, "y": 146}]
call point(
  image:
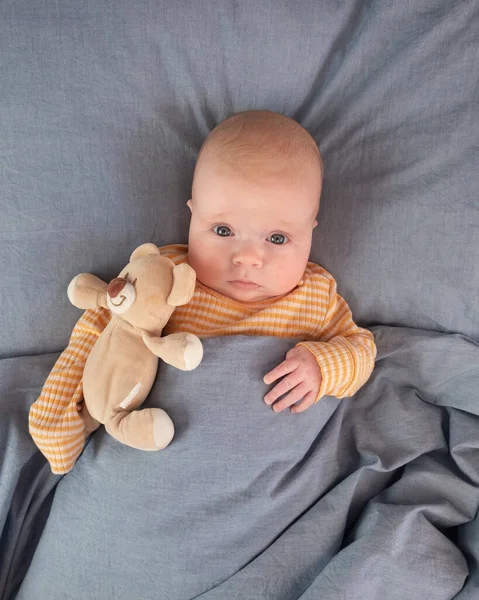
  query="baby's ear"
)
[{"x": 144, "y": 250}]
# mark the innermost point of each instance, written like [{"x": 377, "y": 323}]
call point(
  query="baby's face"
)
[{"x": 251, "y": 239}]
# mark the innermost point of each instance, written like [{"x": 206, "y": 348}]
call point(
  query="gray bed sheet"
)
[{"x": 372, "y": 497}]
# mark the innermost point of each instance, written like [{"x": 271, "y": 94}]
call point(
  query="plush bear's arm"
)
[
  {"x": 181, "y": 350},
  {"x": 87, "y": 291}
]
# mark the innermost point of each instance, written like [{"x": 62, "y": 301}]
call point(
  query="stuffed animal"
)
[{"x": 122, "y": 365}]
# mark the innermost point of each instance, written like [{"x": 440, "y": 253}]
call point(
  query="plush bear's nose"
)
[
  {"x": 115, "y": 286},
  {"x": 120, "y": 295}
]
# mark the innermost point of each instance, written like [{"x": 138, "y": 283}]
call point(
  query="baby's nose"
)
[{"x": 248, "y": 255}]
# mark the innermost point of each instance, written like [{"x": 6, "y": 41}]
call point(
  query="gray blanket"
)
[{"x": 371, "y": 498}]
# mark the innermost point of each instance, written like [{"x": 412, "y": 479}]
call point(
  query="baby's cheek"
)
[
  {"x": 288, "y": 274},
  {"x": 206, "y": 267}
]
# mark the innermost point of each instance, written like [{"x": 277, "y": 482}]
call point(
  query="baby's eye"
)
[
  {"x": 277, "y": 238},
  {"x": 222, "y": 230}
]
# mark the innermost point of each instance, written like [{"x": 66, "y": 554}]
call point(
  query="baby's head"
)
[{"x": 255, "y": 198}]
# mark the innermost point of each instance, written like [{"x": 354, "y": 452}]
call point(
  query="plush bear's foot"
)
[
  {"x": 163, "y": 428},
  {"x": 149, "y": 429}
]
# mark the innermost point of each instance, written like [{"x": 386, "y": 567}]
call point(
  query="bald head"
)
[{"x": 261, "y": 145}]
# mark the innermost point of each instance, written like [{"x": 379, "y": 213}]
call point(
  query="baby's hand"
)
[{"x": 303, "y": 380}]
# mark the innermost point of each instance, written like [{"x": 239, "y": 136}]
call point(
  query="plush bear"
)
[{"x": 122, "y": 365}]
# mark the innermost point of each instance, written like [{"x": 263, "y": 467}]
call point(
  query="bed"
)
[{"x": 104, "y": 106}]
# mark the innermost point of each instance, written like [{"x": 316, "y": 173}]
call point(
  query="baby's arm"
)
[
  {"x": 344, "y": 354},
  {"x": 56, "y": 422}
]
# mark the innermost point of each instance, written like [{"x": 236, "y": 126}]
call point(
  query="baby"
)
[{"x": 255, "y": 197}]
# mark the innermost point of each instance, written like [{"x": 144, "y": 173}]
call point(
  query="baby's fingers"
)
[
  {"x": 305, "y": 403},
  {"x": 300, "y": 391},
  {"x": 287, "y": 384},
  {"x": 287, "y": 366}
]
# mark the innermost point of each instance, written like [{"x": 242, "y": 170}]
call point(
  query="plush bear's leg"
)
[{"x": 147, "y": 429}]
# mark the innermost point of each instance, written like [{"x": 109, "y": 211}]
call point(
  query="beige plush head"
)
[{"x": 147, "y": 290}]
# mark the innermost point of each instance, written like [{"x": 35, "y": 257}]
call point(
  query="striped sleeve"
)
[
  {"x": 344, "y": 351},
  {"x": 55, "y": 420}
]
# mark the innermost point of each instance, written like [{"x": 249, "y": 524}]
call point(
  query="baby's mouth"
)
[{"x": 243, "y": 284}]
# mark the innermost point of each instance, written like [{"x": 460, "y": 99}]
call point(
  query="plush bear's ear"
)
[
  {"x": 184, "y": 280},
  {"x": 144, "y": 250}
]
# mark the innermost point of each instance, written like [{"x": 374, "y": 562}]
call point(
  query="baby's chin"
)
[
  {"x": 241, "y": 293},
  {"x": 236, "y": 292},
  {"x": 257, "y": 294},
  {"x": 249, "y": 297}
]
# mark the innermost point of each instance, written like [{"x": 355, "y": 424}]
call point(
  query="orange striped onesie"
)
[{"x": 313, "y": 312}]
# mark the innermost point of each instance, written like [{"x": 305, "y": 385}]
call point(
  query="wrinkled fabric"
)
[{"x": 370, "y": 497}]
